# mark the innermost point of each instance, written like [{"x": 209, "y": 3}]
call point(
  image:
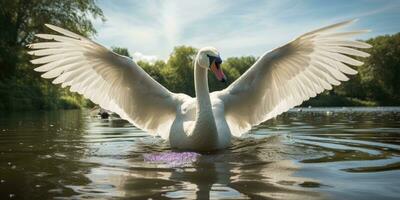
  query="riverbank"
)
[{"x": 338, "y": 101}]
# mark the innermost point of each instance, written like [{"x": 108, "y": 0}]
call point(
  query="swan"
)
[{"x": 279, "y": 80}]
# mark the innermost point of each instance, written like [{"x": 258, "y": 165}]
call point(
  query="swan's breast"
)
[
  {"x": 224, "y": 133},
  {"x": 188, "y": 110}
]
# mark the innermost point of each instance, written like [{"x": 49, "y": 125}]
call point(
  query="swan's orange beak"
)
[{"x": 217, "y": 70}]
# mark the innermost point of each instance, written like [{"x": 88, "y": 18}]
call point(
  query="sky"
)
[{"x": 150, "y": 29}]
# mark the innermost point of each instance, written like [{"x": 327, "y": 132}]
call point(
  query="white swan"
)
[{"x": 279, "y": 80}]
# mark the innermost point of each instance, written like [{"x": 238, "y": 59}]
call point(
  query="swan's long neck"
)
[{"x": 204, "y": 114}]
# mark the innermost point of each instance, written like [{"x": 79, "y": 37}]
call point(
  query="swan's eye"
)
[
  {"x": 218, "y": 61},
  {"x": 215, "y": 59},
  {"x": 210, "y": 59}
]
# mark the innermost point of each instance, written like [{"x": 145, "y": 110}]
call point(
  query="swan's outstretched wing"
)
[
  {"x": 289, "y": 75},
  {"x": 114, "y": 82}
]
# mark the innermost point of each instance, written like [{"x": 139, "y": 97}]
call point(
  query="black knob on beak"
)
[{"x": 223, "y": 80}]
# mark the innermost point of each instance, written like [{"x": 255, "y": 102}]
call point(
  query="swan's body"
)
[
  {"x": 278, "y": 81},
  {"x": 200, "y": 123}
]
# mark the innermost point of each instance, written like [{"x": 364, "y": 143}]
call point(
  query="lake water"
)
[{"x": 335, "y": 153}]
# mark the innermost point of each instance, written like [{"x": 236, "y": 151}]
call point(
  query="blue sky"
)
[{"x": 150, "y": 29}]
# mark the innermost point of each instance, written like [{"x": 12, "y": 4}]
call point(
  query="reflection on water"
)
[{"x": 342, "y": 153}]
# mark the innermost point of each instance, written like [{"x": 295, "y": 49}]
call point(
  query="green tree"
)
[
  {"x": 377, "y": 80},
  {"x": 20, "y": 20},
  {"x": 240, "y": 64},
  {"x": 382, "y": 69},
  {"x": 178, "y": 72},
  {"x": 233, "y": 68},
  {"x": 155, "y": 70}
]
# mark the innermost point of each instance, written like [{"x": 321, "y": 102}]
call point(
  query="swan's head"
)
[{"x": 209, "y": 58}]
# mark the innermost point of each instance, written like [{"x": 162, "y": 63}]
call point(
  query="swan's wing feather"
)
[
  {"x": 288, "y": 75},
  {"x": 114, "y": 82}
]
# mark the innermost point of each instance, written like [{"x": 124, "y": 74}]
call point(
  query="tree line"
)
[
  {"x": 376, "y": 84},
  {"x": 21, "y": 88}
]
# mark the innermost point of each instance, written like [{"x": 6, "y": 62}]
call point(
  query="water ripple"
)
[{"x": 303, "y": 154}]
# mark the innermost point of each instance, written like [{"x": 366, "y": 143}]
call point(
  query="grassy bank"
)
[{"x": 17, "y": 95}]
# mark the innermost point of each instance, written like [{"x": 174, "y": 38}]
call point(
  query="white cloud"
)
[
  {"x": 156, "y": 29},
  {"x": 234, "y": 27},
  {"x": 148, "y": 58}
]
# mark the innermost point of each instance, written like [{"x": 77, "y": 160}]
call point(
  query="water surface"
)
[{"x": 317, "y": 153}]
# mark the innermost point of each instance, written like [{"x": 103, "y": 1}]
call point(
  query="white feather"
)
[
  {"x": 279, "y": 80},
  {"x": 103, "y": 76},
  {"x": 304, "y": 68}
]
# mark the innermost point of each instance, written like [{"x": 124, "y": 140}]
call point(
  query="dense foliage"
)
[
  {"x": 378, "y": 79},
  {"x": 21, "y": 88},
  {"x": 375, "y": 84}
]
